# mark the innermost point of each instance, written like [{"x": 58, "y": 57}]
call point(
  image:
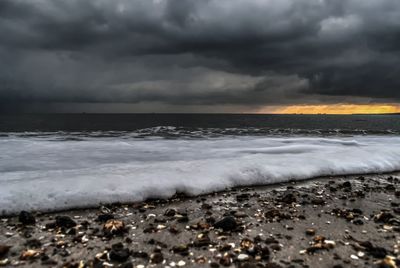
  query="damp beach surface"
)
[{"x": 341, "y": 221}]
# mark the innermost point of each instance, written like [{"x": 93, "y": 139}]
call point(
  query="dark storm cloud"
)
[{"x": 207, "y": 52}]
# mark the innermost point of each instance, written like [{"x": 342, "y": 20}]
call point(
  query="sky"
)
[{"x": 239, "y": 56}]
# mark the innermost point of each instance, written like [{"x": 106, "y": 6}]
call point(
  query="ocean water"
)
[{"x": 54, "y": 162}]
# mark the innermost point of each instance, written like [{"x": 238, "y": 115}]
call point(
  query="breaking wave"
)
[{"x": 54, "y": 171}]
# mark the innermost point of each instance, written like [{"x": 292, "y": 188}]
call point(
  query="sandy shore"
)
[{"x": 351, "y": 221}]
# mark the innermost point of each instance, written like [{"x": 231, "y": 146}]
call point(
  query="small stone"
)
[
  {"x": 226, "y": 260},
  {"x": 288, "y": 198},
  {"x": 206, "y": 206},
  {"x": 227, "y": 224},
  {"x": 201, "y": 260},
  {"x": 30, "y": 254},
  {"x": 243, "y": 257},
  {"x": 181, "y": 249},
  {"x": 387, "y": 262},
  {"x": 310, "y": 231},
  {"x": 65, "y": 221},
  {"x": 4, "y": 262},
  {"x": 114, "y": 227},
  {"x": 246, "y": 244},
  {"x": 4, "y": 250},
  {"x": 181, "y": 263},
  {"x": 104, "y": 217},
  {"x": 170, "y": 212},
  {"x": 26, "y": 218},
  {"x": 119, "y": 253},
  {"x": 182, "y": 218},
  {"x": 214, "y": 265},
  {"x": 156, "y": 258},
  {"x": 140, "y": 254},
  {"x": 202, "y": 240},
  {"x": 383, "y": 217},
  {"x": 346, "y": 184}
]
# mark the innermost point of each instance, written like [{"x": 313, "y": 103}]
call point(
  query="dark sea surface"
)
[{"x": 170, "y": 125}]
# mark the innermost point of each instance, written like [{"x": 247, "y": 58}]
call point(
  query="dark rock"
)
[
  {"x": 225, "y": 247},
  {"x": 181, "y": 249},
  {"x": 4, "y": 250},
  {"x": 126, "y": 265},
  {"x": 206, "y": 206},
  {"x": 118, "y": 253},
  {"x": 242, "y": 197},
  {"x": 202, "y": 240},
  {"x": 390, "y": 187},
  {"x": 182, "y": 218},
  {"x": 346, "y": 184},
  {"x": 376, "y": 252},
  {"x": 288, "y": 198},
  {"x": 156, "y": 258},
  {"x": 310, "y": 231},
  {"x": 227, "y": 224},
  {"x": 264, "y": 252},
  {"x": 26, "y": 218},
  {"x": 65, "y": 221},
  {"x": 271, "y": 240},
  {"x": 140, "y": 254},
  {"x": 210, "y": 220},
  {"x": 104, "y": 217},
  {"x": 226, "y": 260},
  {"x": 170, "y": 212},
  {"x": 383, "y": 217}
]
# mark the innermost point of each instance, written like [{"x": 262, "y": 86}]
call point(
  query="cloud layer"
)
[{"x": 188, "y": 52}]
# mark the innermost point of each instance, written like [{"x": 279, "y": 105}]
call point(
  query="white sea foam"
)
[{"x": 47, "y": 174}]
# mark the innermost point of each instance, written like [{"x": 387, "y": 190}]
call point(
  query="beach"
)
[{"x": 341, "y": 221}]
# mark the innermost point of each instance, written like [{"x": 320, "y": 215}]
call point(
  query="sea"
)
[{"x": 51, "y": 162}]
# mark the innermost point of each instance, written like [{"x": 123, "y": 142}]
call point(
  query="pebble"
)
[
  {"x": 156, "y": 258},
  {"x": 65, "y": 221},
  {"x": 119, "y": 253},
  {"x": 26, "y": 218},
  {"x": 310, "y": 231},
  {"x": 243, "y": 257},
  {"x": 4, "y": 250},
  {"x": 227, "y": 224},
  {"x": 114, "y": 227}
]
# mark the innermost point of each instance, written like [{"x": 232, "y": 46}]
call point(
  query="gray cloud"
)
[{"x": 190, "y": 52}]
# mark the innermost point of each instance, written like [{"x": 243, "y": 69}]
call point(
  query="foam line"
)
[{"x": 49, "y": 174}]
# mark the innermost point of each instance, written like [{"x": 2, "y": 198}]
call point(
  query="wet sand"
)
[{"x": 345, "y": 221}]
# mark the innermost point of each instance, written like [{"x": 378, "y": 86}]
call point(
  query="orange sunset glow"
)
[{"x": 339, "y": 109}]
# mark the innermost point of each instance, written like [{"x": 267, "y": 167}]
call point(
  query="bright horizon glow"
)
[{"x": 337, "y": 109}]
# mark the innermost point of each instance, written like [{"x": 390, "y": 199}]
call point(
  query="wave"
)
[
  {"x": 171, "y": 132},
  {"x": 52, "y": 173}
]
